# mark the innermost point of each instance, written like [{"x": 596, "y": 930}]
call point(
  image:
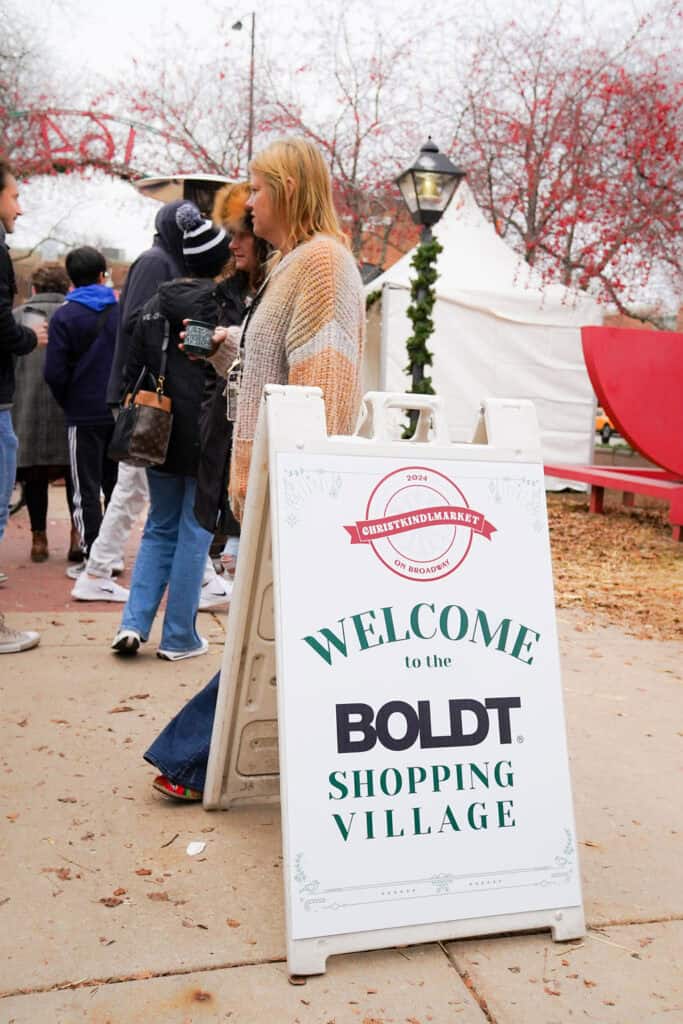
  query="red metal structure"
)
[{"x": 638, "y": 379}]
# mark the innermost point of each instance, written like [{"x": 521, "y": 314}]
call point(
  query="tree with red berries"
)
[{"x": 575, "y": 155}]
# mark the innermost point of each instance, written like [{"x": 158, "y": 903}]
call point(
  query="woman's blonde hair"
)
[{"x": 309, "y": 210}]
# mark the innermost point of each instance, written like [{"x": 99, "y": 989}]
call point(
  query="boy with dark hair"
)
[
  {"x": 82, "y": 337},
  {"x": 15, "y": 340},
  {"x": 85, "y": 266},
  {"x": 162, "y": 262}
]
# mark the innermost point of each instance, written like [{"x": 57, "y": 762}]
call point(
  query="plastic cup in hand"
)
[{"x": 198, "y": 335}]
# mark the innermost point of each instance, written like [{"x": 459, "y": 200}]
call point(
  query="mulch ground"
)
[{"x": 621, "y": 568}]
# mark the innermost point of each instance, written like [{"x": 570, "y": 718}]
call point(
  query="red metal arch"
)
[{"x": 55, "y": 140}]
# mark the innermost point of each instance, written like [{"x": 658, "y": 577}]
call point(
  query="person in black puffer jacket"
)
[
  {"x": 174, "y": 546},
  {"x": 242, "y": 278}
]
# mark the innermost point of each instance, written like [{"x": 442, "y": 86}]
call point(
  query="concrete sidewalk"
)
[{"x": 106, "y": 918}]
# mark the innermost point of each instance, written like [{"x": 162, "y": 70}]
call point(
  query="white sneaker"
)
[
  {"x": 13, "y": 640},
  {"x": 126, "y": 642},
  {"x": 74, "y": 571},
  {"x": 215, "y": 593},
  {"x": 98, "y": 588},
  {"x": 180, "y": 655}
]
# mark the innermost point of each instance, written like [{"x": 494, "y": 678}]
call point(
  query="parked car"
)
[{"x": 603, "y": 425}]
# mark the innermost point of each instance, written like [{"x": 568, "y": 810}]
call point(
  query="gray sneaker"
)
[{"x": 13, "y": 640}]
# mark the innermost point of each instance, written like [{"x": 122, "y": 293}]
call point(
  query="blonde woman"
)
[
  {"x": 308, "y": 324},
  {"x": 306, "y": 327}
]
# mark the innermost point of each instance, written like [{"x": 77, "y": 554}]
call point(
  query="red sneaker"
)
[{"x": 169, "y": 788}]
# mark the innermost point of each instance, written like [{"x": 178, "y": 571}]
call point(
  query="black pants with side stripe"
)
[{"x": 92, "y": 474}]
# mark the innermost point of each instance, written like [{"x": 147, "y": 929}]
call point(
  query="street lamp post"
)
[
  {"x": 238, "y": 26},
  {"x": 427, "y": 187}
]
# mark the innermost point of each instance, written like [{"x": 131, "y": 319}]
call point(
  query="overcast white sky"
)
[{"x": 82, "y": 41}]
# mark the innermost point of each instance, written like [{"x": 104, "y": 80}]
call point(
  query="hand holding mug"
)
[{"x": 200, "y": 340}]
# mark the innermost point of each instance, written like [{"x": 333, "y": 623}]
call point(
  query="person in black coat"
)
[
  {"x": 242, "y": 278},
  {"x": 15, "y": 340},
  {"x": 162, "y": 262},
  {"x": 174, "y": 547}
]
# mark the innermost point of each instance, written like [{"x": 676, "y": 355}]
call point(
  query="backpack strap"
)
[{"x": 101, "y": 320}]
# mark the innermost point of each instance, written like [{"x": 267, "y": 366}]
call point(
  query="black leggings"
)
[{"x": 36, "y": 480}]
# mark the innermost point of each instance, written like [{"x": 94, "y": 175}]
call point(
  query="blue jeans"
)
[
  {"x": 172, "y": 553},
  {"x": 181, "y": 750},
  {"x": 8, "y": 465}
]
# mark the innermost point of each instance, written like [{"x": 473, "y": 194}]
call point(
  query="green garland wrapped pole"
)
[{"x": 423, "y": 297}]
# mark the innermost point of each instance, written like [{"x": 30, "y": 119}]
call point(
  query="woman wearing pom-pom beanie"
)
[{"x": 174, "y": 547}]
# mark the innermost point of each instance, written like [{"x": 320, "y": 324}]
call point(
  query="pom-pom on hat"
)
[
  {"x": 230, "y": 207},
  {"x": 205, "y": 246}
]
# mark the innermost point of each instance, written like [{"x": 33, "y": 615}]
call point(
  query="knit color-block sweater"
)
[{"x": 308, "y": 329}]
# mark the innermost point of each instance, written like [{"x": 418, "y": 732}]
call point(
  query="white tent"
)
[{"x": 499, "y": 330}]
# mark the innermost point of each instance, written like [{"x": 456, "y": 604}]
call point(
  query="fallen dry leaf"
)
[
  {"x": 64, "y": 874},
  {"x": 621, "y": 568},
  {"x": 232, "y": 923},
  {"x": 143, "y": 871},
  {"x": 111, "y": 901},
  {"x": 550, "y": 991},
  {"x": 121, "y": 707},
  {"x": 120, "y": 892},
  {"x": 159, "y": 897}
]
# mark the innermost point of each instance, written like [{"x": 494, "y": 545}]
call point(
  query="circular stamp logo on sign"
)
[{"x": 419, "y": 524}]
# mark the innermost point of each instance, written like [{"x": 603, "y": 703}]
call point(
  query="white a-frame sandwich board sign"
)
[{"x": 404, "y": 604}]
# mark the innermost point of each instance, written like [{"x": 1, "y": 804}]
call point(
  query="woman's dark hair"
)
[
  {"x": 46, "y": 278},
  {"x": 85, "y": 265},
  {"x": 245, "y": 281}
]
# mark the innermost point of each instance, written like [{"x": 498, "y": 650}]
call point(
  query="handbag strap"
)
[
  {"x": 138, "y": 384},
  {"x": 250, "y": 312},
  {"x": 161, "y": 378}
]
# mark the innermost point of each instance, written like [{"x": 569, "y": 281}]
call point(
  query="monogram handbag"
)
[{"x": 143, "y": 427}]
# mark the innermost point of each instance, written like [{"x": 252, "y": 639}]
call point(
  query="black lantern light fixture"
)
[{"x": 428, "y": 186}]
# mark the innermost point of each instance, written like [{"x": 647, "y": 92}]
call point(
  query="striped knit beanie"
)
[{"x": 205, "y": 246}]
